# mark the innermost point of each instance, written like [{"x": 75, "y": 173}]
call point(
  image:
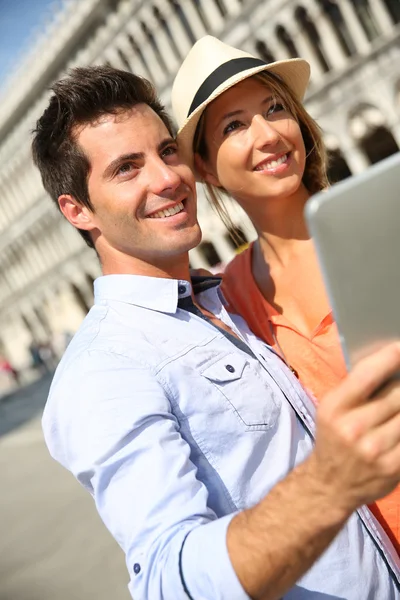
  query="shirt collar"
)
[{"x": 154, "y": 293}]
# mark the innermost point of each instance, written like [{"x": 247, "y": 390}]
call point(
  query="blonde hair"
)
[{"x": 315, "y": 172}]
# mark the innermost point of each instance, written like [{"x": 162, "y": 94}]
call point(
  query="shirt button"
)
[
  {"x": 181, "y": 289},
  {"x": 136, "y": 568},
  {"x": 230, "y": 368}
]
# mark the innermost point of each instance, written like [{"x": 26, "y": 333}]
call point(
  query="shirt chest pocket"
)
[{"x": 242, "y": 386}]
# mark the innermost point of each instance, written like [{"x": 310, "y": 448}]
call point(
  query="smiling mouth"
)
[
  {"x": 272, "y": 164},
  {"x": 168, "y": 212}
]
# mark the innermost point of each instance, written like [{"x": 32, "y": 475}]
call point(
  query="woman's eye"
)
[
  {"x": 232, "y": 126},
  {"x": 275, "y": 108}
]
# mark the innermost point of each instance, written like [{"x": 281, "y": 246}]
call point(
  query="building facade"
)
[{"x": 46, "y": 271}]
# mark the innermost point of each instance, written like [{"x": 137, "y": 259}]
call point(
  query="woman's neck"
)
[{"x": 281, "y": 228}]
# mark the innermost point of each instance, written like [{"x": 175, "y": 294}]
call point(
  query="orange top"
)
[{"x": 318, "y": 360}]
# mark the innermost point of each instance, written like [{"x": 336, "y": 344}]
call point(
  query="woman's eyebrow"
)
[
  {"x": 268, "y": 99},
  {"x": 236, "y": 113},
  {"x": 228, "y": 115}
]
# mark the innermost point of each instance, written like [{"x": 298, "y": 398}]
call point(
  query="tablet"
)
[{"x": 356, "y": 230}]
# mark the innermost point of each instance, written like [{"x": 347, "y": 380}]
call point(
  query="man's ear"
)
[
  {"x": 203, "y": 168},
  {"x": 77, "y": 214}
]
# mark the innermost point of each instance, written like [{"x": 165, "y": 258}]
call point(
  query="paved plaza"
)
[{"x": 52, "y": 544}]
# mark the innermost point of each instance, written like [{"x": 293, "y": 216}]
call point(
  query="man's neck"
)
[{"x": 171, "y": 268}]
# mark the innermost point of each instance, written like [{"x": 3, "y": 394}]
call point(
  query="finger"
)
[
  {"x": 367, "y": 376},
  {"x": 390, "y": 465},
  {"x": 381, "y": 440},
  {"x": 371, "y": 414}
]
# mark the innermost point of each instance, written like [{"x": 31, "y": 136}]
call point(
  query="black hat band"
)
[{"x": 221, "y": 74}]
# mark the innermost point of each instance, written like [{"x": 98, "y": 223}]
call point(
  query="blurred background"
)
[{"x": 52, "y": 544}]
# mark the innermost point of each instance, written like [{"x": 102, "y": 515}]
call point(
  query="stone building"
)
[{"x": 46, "y": 271}]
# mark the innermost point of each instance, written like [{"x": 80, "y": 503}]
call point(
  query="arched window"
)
[
  {"x": 210, "y": 254},
  {"x": 311, "y": 32},
  {"x": 379, "y": 144},
  {"x": 175, "y": 4},
  {"x": 164, "y": 25},
  {"x": 334, "y": 14},
  {"x": 366, "y": 18},
  {"x": 338, "y": 168},
  {"x": 367, "y": 126},
  {"x": 286, "y": 40},
  {"x": 263, "y": 51},
  {"x": 152, "y": 41},
  {"x": 393, "y": 7}
]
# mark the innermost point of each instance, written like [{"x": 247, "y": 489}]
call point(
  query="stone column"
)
[
  {"x": 135, "y": 62},
  {"x": 331, "y": 47},
  {"x": 178, "y": 31},
  {"x": 357, "y": 32},
  {"x": 158, "y": 74},
  {"x": 35, "y": 326},
  {"x": 306, "y": 51},
  {"x": 164, "y": 43},
  {"x": 213, "y": 16},
  {"x": 112, "y": 56},
  {"x": 382, "y": 16},
  {"x": 193, "y": 18},
  {"x": 37, "y": 255},
  {"x": 354, "y": 156},
  {"x": 233, "y": 7}
]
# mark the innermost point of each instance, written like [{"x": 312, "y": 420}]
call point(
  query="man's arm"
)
[
  {"x": 109, "y": 421},
  {"x": 356, "y": 461}
]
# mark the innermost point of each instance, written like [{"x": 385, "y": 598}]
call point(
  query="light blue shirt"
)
[{"x": 173, "y": 429}]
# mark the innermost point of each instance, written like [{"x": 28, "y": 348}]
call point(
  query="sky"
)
[{"x": 20, "y": 21}]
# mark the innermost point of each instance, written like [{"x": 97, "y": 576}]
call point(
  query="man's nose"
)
[
  {"x": 264, "y": 132},
  {"x": 163, "y": 179}
]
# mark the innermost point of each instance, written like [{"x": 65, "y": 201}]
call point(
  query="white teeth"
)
[
  {"x": 168, "y": 212},
  {"x": 273, "y": 163}
]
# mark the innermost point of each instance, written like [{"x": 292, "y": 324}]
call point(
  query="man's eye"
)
[
  {"x": 232, "y": 126},
  {"x": 124, "y": 169},
  {"x": 170, "y": 150}
]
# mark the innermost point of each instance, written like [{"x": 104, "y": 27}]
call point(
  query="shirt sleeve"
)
[{"x": 109, "y": 421}]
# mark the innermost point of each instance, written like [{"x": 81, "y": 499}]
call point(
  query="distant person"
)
[
  {"x": 6, "y": 367},
  {"x": 193, "y": 437}
]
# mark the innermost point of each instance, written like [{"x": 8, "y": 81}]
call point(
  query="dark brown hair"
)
[
  {"x": 81, "y": 98},
  {"x": 314, "y": 177}
]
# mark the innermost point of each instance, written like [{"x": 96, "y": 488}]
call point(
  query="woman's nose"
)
[{"x": 264, "y": 132}]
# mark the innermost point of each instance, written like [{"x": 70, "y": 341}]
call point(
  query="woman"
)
[{"x": 244, "y": 130}]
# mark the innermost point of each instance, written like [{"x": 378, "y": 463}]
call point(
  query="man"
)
[{"x": 180, "y": 423}]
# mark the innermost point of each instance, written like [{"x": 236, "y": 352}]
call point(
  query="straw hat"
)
[{"x": 211, "y": 68}]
